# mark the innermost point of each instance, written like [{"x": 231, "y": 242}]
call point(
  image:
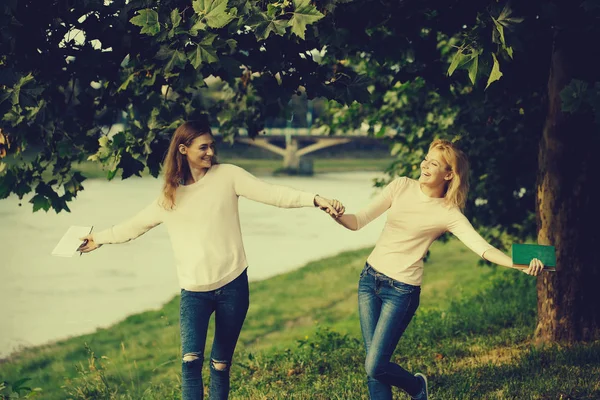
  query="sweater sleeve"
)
[
  {"x": 379, "y": 205},
  {"x": 134, "y": 227},
  {"x": 464, "y": 231},
  {"x": 247, "y": 185}
]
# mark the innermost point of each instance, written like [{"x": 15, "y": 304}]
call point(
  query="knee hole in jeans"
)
[
  {"x": 220, "y": 365},
  {"x": 191, "y": 357}
]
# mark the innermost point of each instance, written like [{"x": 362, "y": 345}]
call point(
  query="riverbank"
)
[
  {"x": 301, "y": 340},
  {"x": 48, "y": 298}
]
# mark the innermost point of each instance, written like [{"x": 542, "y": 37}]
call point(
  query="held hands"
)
[
  {"x": 535, "y": 267},
  {"x": 88, "y": 244},
  {"x": 339, "y": 207},
  {"x": 331, "y": 207}
]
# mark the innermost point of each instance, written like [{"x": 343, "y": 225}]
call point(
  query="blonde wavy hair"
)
[
  {"x": 458, "y": 187},
  {"x": 176, "y": 165}
]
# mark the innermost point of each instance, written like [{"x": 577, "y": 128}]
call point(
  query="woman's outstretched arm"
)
[
  {"x": 249, "y": 186},
  {"x": 464, "y": 231},
  {"x": 497, "y": 257},
  {"x": 378, "y": 206},
  {"x": 348, "y": 221},
  {"x": 134, "y": 227}
]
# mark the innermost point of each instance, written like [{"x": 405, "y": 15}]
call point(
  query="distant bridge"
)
[{"x": 292, "y": 153}]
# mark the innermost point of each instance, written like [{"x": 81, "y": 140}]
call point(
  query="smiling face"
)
[
  {"x": 200, "y": 153},
  {"x": 435, "y": 171}
]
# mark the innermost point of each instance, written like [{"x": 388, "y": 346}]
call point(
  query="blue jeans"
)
[
  {"x": 385, "y": 307},
  {"x": 230, "y": 304}
]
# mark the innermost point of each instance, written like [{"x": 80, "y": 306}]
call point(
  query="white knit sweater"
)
[{"x": 204, "y": 228}]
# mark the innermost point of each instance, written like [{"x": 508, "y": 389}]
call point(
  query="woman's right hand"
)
[
  {"x": 332, "y": 207},
  {"x": 88, "y": 244},
  {"x": 339, "y": 207}
]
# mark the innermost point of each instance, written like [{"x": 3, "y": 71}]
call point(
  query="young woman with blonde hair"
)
[
  {"x": 419, "y": 211},
  {"x": 199, "y": 206}
]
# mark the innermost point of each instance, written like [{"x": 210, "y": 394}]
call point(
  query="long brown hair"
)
[
  {"x": 175, "y": 165},
  {"x": 458, "y": 187}
]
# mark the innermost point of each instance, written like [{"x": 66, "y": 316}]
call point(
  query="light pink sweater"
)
[
  {"x": 204, "y": 228},
  {"x": 414, "y": 221}
]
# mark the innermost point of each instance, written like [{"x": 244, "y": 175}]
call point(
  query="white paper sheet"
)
[{"x": 70, "y": 242}]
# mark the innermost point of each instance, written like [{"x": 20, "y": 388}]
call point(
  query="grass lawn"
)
[{"x": 301, "y": 340}]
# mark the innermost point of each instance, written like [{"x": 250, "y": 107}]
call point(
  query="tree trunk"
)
[{"x": 567, "y": 215}]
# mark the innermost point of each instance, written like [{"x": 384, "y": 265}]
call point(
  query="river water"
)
[{"x": 45, "y": 298}]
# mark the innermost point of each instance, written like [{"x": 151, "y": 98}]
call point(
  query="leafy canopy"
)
[{"x": 474, "y": 72}]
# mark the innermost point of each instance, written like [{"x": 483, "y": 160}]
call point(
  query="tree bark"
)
[{"x": 568, "y": 215}]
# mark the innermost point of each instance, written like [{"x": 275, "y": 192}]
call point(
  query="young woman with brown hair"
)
[{"x": 199, "y": 206}]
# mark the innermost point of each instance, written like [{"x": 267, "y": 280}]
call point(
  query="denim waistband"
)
[{"x": 371, "y": 271}]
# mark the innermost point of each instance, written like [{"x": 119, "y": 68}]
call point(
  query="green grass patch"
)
[{"x": 301, "y": 340}]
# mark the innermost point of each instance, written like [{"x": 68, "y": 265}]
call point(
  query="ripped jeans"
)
[
  {"x": 230, "y": 304},
  {"x": 385, "y": 308}
]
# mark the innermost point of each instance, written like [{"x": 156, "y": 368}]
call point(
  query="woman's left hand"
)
[{"x": 535, "y": 267}]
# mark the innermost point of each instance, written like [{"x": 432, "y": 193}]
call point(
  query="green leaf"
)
[
  {"x": 175, "y": 58},
  {"x": 148, "y": 20},
  {"x": 573, "y": 95},
  {"x": 73, "y": 186},
  {"x": 213, "y": 12},
  {"x": 204, "y": 52},
  {"x": 163, "y": 53},
  {"x": 198, "y": 26},
  {"x": 149, "y": 79},
  {"x": 6, "y": 95},
  {"x": 111, "y": 174},
  {"x": 274, "y": 10},
  {"x": 175, "y": 22},
  {"x": 21, "y": 189},
  {"x": 64, "y": 148},
  {"x": 231, "y": 69},
  {"x": 130, "y": 166},
  {"x": 14, "y": 116},
  {"x": 33, "y": 111},
  {"x": 232, "y": 43},
  {"x": 40, "y": 202},
  {"x": 304, "y": 14},
  {"x": 456, "y": 61},
  {"x": 473, "y": 68},
  {"x": 495, "y": 74},
  {"x": 7, "y": 183},
  {"x": 126, "y": 83},
  {"x": 24, "y": 93},
  {"x": 103, "y": 141},
  {"x": 118, "y": 140},
  {"x": 505, "y": 17},
  {"x": 266, "y": 24},
  {"x": 175, "y": 18},
  {"x": 498, "y": 33}
]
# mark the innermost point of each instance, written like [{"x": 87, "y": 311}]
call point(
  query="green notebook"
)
[{"x": 523, "y": 253}]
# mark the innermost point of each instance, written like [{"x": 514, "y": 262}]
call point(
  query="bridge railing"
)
[{"x": 321, "y": 131}]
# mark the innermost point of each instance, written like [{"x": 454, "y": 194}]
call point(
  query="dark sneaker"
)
[{"x": 424, "y": 395}]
